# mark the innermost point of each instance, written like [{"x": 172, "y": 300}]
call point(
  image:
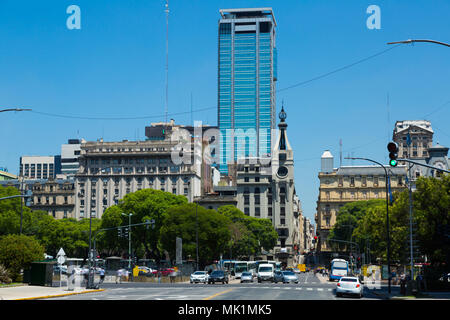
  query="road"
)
[{"x": 310, "y": 287}]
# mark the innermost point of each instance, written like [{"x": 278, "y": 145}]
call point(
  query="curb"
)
[{"x": 61, "y": 295}]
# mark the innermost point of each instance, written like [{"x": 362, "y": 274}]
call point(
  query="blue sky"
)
[{"x": 115, "y": 67}]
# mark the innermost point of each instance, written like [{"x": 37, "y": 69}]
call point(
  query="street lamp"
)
[
  {"x": 420, "y": 40},
  {"x": 196, "y": 232},
  {"x": 387, "y": 218},
  {"x": 14, "y": 109}
]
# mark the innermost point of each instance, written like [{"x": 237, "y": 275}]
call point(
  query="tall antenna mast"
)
[
  {"x": 167, "y": 58},
  {"x": 340, "y": 152}
]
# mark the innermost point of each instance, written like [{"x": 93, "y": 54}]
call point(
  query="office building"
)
[{"x": 247, "y": 73}]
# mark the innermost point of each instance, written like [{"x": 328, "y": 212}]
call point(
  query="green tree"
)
[
  {"x": 213, "y": 232},
  {"x": 17, "y": 252},
  {"x": 145, "y": 204}
]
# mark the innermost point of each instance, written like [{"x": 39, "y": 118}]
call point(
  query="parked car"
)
[
  {"x": 163, "y": 271},
  {"x": 218, "y": 276},
  {"x": 199, "y": 277},
  {"x": 349, "y": 285},
  {"x": 145, "y": 270},
  {"x": 58, "y": 269},
  {"x": 246, "y": 277}
]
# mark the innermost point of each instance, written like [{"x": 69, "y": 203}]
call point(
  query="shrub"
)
[
  {"x": 4, "y": 275},
  {"x": 17, "y": 252}
]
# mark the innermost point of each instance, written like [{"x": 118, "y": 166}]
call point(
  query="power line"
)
[
  {"x": 339, "y": 69},
  {"x": 119, "y": 118}
]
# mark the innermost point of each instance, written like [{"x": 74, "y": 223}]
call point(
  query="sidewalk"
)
[{"x": 26, "y": 292}]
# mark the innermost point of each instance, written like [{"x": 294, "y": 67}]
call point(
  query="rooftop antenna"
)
[
  {"x": 167, "y": 58},
  {"x": 340, "y": 152},
  {"x": 192, "y": 114}
]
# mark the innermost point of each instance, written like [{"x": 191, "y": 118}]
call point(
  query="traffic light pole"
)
[{"x": 387, "y": 218}]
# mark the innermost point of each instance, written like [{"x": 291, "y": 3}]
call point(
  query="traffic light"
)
[
  {"x": 393, "y": 153},
  {"x": 119, "y": 232},
  {"x": 125, "y": 233}
]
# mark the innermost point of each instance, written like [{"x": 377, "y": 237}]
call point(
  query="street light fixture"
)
[
  {"x": 387, "y": 218},
  {"x": 15, "y": 109},
  {"x": 420, "y": 40}
]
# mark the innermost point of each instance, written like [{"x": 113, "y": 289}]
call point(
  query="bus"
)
[
  {"x": 226, "y": 265},
  {"x": 239, "y": 267},
  {"x": 338, "y": 269}
]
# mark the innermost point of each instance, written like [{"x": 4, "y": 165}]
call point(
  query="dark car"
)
[
  {"x": 277, "y": 276},
  {"x": 218, "y": 276}
]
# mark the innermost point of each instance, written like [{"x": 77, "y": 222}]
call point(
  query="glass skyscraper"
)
[{"x": 247, "y": 72}]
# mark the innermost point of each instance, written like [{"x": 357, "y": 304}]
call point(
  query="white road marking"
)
[{"x": 309, "y": 289}]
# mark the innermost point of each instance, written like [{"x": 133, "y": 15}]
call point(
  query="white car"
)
[
  {"x": 199, "y": 276},
  {"x": 349, "y": 285}
]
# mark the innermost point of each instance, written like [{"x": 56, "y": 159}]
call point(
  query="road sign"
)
[
  {"x": 61, "y": 256},
  {"x": 61, "y": 259}
]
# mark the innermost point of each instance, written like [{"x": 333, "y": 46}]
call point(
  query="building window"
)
[
  {"x": 185, "y": 191},
  {"x": 364, "y": 181},
  {"x": 256, "y": 179},
  {"x": 400, "y": 181},
  {"x": 282, "y": 199},
  {"x": 282, "y": 221},
  {"x": 246, "y": 200},
  {"x": 282, "y": 211},
  {"x": 257, "y": 212},
  {"x": 269, "y": 211},
  {"x": 246, "y": 179},
  {"x": 257, "y": 199},
  {"x": 247, "y": 211},
  {"x": 105, "y": 202},
  {"x": 174, "y": 190},
  {"x": 352, "y": 181},
  {"x": 327, "y": 195},
  {"x": 375, "y": 181}
]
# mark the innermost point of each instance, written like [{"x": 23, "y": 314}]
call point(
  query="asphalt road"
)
[{"x": 308, "y": 288}]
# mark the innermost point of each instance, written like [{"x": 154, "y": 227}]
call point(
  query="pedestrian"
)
[
  {"x": 119, "y": 276},
  {"x": 102, "y": 275}
]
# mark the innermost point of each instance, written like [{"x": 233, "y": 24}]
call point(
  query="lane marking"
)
[
  {"x": 218, "y": 294},
  {"x": 309, "y": 289}
]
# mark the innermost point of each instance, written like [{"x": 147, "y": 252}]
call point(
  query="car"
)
[
  {"x": 350, "y": 286},
  {"x": 246, "y": 277},
  {"x": 145, "y": 270},
  {"x": 296, "y": 270},
  {"x": 199, "y": 276},
  {"x": 60, "y": 268},
  {"x": 289, "y": 276},
  {"x": 445, "y": 277},
  {"x": 163, "y": 271},
  {"x": 218, "y": 276},
  {"x": 277, "y": 276},
  {"x": 265, "y": 272},
  {"x": 285, "y": 277}
]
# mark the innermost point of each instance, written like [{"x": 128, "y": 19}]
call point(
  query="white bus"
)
[
  {"x": 239, "y": 267},
  {"x": 338, "y": 269}
]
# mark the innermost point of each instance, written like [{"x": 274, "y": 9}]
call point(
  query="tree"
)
[
  {"x": 262, "y": 234},
  {"x": 213, "y": 232},
  {"x": 145, "y": 204},
  {"x": 17, "y": 252}
]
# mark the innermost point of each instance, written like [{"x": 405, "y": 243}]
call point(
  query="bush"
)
[
  {"x": 4, "y": 275},
  {"x": 17, "y": 252}
]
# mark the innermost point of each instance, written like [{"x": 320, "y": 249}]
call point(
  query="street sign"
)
[
  {"x": 61, "y": 253},
  {"x": 61, "y": 256},
  {"x": 61, "y": 260}
]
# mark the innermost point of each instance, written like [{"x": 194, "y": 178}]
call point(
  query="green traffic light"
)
[{"x": 393, "y": 163}]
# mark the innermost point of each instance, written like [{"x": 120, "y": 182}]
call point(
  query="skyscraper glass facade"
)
[{"x": 246, "y": 83}]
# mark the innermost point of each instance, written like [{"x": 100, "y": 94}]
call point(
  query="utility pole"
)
[
  {"x": 196, "y": 233},
  {"x": 129, "y": 238}
]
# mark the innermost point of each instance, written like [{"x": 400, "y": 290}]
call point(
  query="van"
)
[{"x": 265, "y": 272}]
